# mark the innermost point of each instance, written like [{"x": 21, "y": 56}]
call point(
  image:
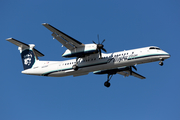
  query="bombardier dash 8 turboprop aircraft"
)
[{"x": 89, "y": 58}]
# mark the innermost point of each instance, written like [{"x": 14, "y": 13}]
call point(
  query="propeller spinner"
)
[{"x": 100, "y": 47}]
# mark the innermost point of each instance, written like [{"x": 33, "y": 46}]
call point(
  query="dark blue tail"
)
[{"x": 28, "y": 58}]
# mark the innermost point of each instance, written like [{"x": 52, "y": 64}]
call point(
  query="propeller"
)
[
  {"x": 100, "y": 46},
  {"x": 130, "y": 69}
]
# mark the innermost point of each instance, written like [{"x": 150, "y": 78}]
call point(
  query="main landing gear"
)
[
  {"x": 75, "y": 66},
  {"x": 161, "y": 62},
  {"x": 107, "y": 83}
]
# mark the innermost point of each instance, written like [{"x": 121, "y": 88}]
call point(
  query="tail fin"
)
[{"x": 29, "y": 54}]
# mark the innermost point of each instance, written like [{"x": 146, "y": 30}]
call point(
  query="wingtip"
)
[
  {"x": 45, "y": 24},
  {"x": 9, "y": 39}
]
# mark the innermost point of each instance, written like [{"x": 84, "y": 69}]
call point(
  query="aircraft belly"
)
[{"x": 59, "y": 74}]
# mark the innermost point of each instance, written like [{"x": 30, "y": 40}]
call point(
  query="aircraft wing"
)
[
  {"x": 127, "y": 73},
  {"x": 67, "y": 41}
]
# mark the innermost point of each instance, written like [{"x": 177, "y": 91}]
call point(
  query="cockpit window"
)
[{"x": 154, "y": 48}]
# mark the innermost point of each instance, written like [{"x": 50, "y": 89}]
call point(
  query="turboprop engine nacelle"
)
[{"x": 82, "y": 51}]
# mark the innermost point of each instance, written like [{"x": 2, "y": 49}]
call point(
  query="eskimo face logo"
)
[{"x": 27, "y": 59}]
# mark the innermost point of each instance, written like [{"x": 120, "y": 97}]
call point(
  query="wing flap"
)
[
  {"x": 21, "y": 44},
  {"x": 63, "y": 42}
]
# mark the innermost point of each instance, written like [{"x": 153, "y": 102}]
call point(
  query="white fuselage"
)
[{"x": 92, "y": 62}]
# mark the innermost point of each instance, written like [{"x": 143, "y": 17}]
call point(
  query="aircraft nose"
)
[{"x": 169, "y": 55}]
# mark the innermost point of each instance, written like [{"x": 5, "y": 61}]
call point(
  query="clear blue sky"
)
[{"x": 125, "y": 25}]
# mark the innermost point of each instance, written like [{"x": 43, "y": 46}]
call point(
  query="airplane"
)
[{"x": 88, "y": 58}]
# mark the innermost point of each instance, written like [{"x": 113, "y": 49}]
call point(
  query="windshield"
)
[{"x": 151, "y": 48}]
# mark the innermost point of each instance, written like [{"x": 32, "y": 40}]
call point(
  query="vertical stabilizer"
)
[
  {"x": 28, "y": 57},
  {"x": 29, "y": 54}
]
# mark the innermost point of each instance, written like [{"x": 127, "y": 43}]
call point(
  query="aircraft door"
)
[
  {"x": 59, "y": 67},
  {"x": 131, "y": 56}
]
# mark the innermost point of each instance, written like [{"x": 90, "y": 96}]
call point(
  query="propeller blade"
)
[
  {"x": 103, "y": 41},
  {"x": 100, "y": 46},
  {"x": 130, "y": 69},
  {"x": 93, "y": 42},
  {"x": 100, "y": 53},
  {"x": 98, "y": 39},
  {"x": 104, "y": 49},
  {"x": 134, "y": 67}
]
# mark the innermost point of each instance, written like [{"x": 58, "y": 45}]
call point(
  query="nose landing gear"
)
[{"x": 161, "y": 62}]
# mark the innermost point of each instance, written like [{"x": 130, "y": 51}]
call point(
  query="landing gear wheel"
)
[
  {"x": 107, "y": 84},
  {"x": 75, "y": 67},
  {"x": 161, "y": 63}
]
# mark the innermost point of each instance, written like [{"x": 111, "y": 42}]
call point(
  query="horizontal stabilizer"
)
[{"x": 23, "y": 45}]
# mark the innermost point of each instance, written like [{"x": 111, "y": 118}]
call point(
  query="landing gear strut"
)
[
  {"x": 107, "y": 83},
  {"x": 161, "y": 62},
  {"x": 75, "y": 66}
]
